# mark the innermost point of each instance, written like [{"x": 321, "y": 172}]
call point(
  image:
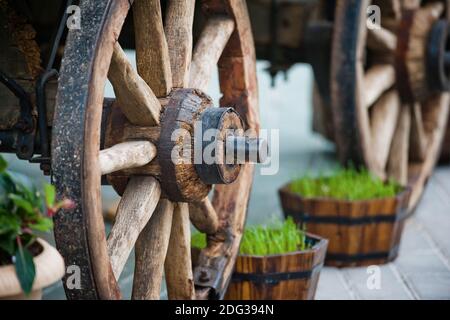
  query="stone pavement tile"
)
[
  {"x": 424, "y": 269},
  {"x": 391, "y": 285},
  {"x": 434, "y": 211},
  {"x": 332, "y": 286}
]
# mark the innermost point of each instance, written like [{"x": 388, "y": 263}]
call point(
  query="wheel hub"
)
[
  {"x": 420, "y": 61},
  {"x": 438, "y": 56},
  {"x": 198, "y": 146}
]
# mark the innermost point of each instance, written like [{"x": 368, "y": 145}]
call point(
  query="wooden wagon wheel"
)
[
  {"x": 388, "y": 88},
  {"x": 153, "y": 215}
]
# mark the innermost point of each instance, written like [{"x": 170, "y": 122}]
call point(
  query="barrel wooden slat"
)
[
  {"x": 310, "y": 260},
  {"x": 359, "y": 232}
]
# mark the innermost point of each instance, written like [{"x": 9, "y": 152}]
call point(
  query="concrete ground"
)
[{"x": 422, "y": 270}]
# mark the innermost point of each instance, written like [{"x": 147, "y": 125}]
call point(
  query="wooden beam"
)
[
  {"x": 178, "y": 27},
  {"x": 136, "y": 99},
  {"x": 377, "y": 80},
  {"x": 152, "y": 53},
  {"x": 126, "y": 155},
  {"x": 384, "y": 116},
  {"x": 398, "y": 156},
  {"x": 203, "y": 216},
  {"x": 208, "y": 50},
  {"x": 178, "y": 264},
  {"x": 150, "y": 253},
  {"x": 135, "y": 209}
]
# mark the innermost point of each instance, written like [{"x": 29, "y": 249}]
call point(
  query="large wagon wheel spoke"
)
[
  {"x": 131, "y": 146},
  {"x": 178, "y": 264},
  {"x": 126, "y": 155},
  {"x": 137, "y": 100},
  {"x": 203, "y": 216},
  {"x": 384, "y": 86},
  {"x": 383, "y": 122},
  {"x": 152, "y": 53},
  {"x": 151, "y": 250},
  {"x": 377, "y": 80},
  {"x": 178, "y": 29},
  {"x": 135, "y": 209},
  {"x": 208, "y": 49},
  {"x": 382, "y": 40}
]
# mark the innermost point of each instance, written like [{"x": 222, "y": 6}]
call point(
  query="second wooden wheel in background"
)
[
  {"x": 126, "y": 141},
  {"x": 389, "y": 104}
]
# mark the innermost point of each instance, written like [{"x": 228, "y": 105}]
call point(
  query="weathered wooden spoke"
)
[
  {"x": 208, "y": 50},
  {"x": 391, "y": 13},
  {"x": 384, "y": 116},
  {"x": 137, "y": 100},
  {"x": 203, "y": 216},
  {"x": 382, "y": 40},
  {"x": 135, "y": 209},
  {"x": 152, "y": 53},
  {"x": 377, "y": 80},
  {"x": 398, "y": 156},
  {"x": 179, "y": 20},
  {"x": 178, "y": 264},
  {"x": 130, "y": 142},
  {"x": 418, "y": 136},
  {"x": 151, "y": 250},
  {"x": 126, "y": 155},
  {"x": 381, "y": 94}
]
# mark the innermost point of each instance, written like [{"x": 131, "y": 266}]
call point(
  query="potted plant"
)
[
  {"x": 27, "y": 262},
  {"x": 361, "y": 215},
  {"x": 278, "y": 262}
]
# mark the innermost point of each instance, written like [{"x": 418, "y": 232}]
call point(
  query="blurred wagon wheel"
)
[
  {"x": 127, "y": 142},
  {"x": 388, "y": 88}
]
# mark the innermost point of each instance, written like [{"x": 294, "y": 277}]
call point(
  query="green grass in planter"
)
[
  {"x": 198, "y": 240},
  {"x": 345, "y": 184},
  {"x": 265, "y": 240}
]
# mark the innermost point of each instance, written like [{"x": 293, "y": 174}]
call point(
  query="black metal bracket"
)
[
  {"x": 210, "y": 277},
  {"x": 23, "y": 134},
  {"x": 41, "y": 102}
]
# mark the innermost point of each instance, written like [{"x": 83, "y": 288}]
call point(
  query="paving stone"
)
[{"x": 332, "y": 286}]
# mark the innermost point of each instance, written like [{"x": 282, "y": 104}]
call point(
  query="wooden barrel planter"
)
[
  {"x": 360, "y": 233},
  {"x": 290, "y": 276}
]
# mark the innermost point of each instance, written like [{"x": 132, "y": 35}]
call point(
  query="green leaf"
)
[
  {"x": 8, "y": 244},
  {"x": 43, "y": 224},
  {"x": 21, "y": 203},
  {"x": 50, "y": 195},
  {"x": 25, "y": 269},
  {"x": 9, "y": 223},
  {"x": 3, "y": 164}
]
